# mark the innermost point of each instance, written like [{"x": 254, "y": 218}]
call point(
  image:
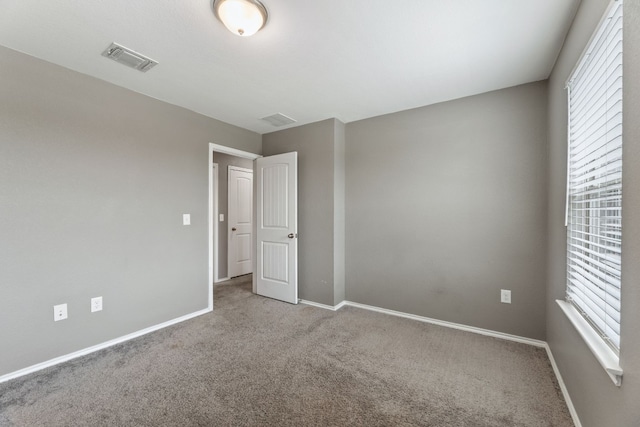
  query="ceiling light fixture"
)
[{"x": 241, "y": 17}]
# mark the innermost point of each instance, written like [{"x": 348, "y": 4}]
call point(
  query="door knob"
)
[
  {"x": 291, "y": 236},
  {"x": 233, "y": 229}
]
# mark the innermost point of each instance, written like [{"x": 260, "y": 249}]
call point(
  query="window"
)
[{"x": 594, "y": 180}]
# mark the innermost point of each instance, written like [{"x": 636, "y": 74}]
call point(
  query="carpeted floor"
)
[{"x": 255, "y": 361}]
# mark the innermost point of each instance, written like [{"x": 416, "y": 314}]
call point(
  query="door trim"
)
[
  {"x": 215, "y": 214},
  {"x": 233, "y": 151},
  {"x": 213, "y": 203}
]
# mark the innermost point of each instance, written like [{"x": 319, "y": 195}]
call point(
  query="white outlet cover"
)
[
  {"x": 186, "y": 219},
  {"x": 59, "y": 312},
  {"x": 221, "y": 217},
  {"x": 96, "y": 304}
]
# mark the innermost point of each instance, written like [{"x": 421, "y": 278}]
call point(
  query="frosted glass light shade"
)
[{"x": 241, "y": 17}]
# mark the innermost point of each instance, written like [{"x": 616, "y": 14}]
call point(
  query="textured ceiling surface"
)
[{"x": 312, "y": 61}]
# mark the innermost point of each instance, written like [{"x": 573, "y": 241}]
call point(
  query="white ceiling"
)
[{"x": 313, "y": 60}]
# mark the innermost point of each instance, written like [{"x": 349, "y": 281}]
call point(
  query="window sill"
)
[{"x": 605, "y": 356}]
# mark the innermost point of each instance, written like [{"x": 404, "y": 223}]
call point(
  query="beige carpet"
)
[{"x": 255, "y": 361}]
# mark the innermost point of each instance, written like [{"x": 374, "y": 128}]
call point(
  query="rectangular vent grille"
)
[
  {"x": 278, "y": 120},
  {"x": 129, "y": 57}
]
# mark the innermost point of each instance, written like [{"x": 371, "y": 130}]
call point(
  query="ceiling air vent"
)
[
  {"x": 278, "y": 119},
  {"x": 129, "y": 58}
]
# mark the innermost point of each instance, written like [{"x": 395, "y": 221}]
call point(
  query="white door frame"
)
[{"x": 213, "y": 211}]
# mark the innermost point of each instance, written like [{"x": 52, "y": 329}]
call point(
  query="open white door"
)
[{"x": 277, "y": 227}]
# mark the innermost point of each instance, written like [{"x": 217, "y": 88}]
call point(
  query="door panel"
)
[
  {"x": 274, "y": 203},
  {"x": 240, "y": 224},
  {"x": 275, "y": 261},
  {"x": 277, "y": 227}
]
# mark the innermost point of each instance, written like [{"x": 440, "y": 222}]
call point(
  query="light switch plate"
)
[
  {"x": 221, "y": 217},
  {"x": 505, "y": 296},
  {"x": 186, "y": 219}
]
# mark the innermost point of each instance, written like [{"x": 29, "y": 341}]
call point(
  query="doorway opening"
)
[
  {"x": 234, "y": 216},
  {"x": 274, "y": 241},
  {"x": 220, "y": 158}
]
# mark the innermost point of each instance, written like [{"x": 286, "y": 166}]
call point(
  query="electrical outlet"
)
[
  {"x": 59, "y": 312},
  {"x": 186, "y": 219},
  {"x": 96, "y": 304},
  {"x": 505, "y": 296}
]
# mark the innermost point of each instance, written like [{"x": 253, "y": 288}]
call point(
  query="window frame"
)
[{"x": 595, "y": 317}]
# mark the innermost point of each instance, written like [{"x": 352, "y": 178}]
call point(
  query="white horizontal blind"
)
[{"x": 594, "y": 178}]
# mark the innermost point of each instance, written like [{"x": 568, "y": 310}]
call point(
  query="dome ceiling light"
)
[{"x": 241, "y": 17}]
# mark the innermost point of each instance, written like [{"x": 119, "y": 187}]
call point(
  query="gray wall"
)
[
  {"x": 316, "y": 147},
  {"x": 94, "y": 180},
  {"x": 446, "y": 205},
  {"x": 224, "y": 161},
  {"x": 597, "y": 400}
]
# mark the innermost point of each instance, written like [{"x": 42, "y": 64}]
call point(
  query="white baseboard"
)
[
  {"x": 224, "y": 279},
  {"x": 342, "y": 304},
  {"x": 323, "y": 306},
  {"x": 481, "y": 331},
  {"x": 487, "y": 332},
  {"x": 88, "y": 350},
  {"x": 563, "y": 388}
]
